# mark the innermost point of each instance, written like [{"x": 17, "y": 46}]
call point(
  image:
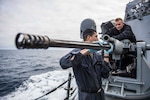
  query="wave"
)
[{"x": 39, "y": 85}]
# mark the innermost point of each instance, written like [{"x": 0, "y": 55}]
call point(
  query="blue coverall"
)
[
  {"x": 88, "y": 73},
  {"x": 124, "y": 33}
]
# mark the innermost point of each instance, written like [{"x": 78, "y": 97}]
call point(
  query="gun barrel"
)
[
  {"x": 107, "y": 38},
  {"x": 28, "y": 41}
]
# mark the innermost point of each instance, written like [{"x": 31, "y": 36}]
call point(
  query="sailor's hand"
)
[
  {"x": 109, "y": 50},
  {"x": 92, "y": 50},
  {"x": 101, "y": 43},
  {"x": 84, "y": 51}
]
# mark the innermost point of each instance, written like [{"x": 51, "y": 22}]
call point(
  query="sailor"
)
[
  {"x": 122, "y": 31},
  {"x": 88, "y": 65}
]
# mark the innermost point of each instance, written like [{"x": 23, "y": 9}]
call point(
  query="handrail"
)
[
  {"x": 68, "y": 87},
  {"x": 68, "y": 92}
]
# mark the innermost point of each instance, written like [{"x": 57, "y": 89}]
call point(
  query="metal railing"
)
[{"x": 70, "y": 90}]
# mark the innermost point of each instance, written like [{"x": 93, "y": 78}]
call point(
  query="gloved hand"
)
[
  {"x": 96, "y": 42},
  {"x": 99, "y": 42},
  {"x": 109, "y": 50},
  {"x": 92, "y": 50}
]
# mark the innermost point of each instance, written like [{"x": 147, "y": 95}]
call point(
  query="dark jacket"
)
[
  {"x": 87, "y": 71},
  {"x": 124, "y": 33}
]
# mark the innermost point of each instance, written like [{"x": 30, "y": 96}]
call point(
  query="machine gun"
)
[
  {"x": 29, "y": 41},
  {"x": 121, "y": 48}
]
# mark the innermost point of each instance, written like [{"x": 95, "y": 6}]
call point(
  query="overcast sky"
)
[{"x": 58, "y": 19}]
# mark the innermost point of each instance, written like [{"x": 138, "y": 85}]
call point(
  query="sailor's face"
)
[
  {"x": 94, "y": 37},
  {"x": 119, "y": 24}
]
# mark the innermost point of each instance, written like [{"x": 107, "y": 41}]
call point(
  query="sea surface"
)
[{"x": 16, "y": 66}]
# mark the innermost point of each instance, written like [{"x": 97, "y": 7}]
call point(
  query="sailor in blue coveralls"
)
[
  {"x": 88, "y": 65},
  {"x": 122, "y": 31}
]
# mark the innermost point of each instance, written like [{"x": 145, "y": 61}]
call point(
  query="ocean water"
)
[{"x": 17, "y": 67}]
